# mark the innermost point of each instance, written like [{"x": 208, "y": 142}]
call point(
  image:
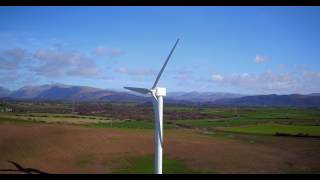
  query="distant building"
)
[{"x": 6, "y": 109}]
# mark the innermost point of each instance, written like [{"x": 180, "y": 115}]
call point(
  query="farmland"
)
[{"x": 118, "y": 138}]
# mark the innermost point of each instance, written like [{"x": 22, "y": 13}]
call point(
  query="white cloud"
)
[
  {"x": 51, "y": 63},
  {"x": 261, "y": 59},
  {"x": 267, "y": 82},
  {"x": 16, "y": 53},
  {"x": 7, "y": 65},
  {"x": 311, "y": 74},
  {"x": 10, "y": 59},
  {"x": 311, "y": 81},
  {"x": 184, "y": 75},
  {"x": 100, "y": 51},
  {"x": 106, "y": 51},
  {"x": 135, "y": 72},
  {"x": 84, "y": 72},
  {"x": 217, "y": 77}
]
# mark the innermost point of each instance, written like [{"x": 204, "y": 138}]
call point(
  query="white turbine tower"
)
[{"x": 157, "y": 100}]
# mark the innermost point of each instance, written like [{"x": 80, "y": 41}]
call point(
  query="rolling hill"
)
[
  {"x": 62, "y": 92},
  {"x": 200, "y": 97},
  {"x": 272, "y": 100},
  {"x": 4, "y": 92}
]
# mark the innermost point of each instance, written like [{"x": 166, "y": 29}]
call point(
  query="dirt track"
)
[{"x": 77, "y": 149}]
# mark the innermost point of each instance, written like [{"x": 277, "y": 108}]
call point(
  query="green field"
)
[
  {"x": 191, "y": 142},
  {"x": 144, "y": 165},
  {"x": 211, "y": 123},
  {"x": 51, "y": 118},
  {"x": 262, "y": 121},
  {"x": 272, "y": 129},
  {"x": 90, "y": 121},
  {"x": 130, "y": 124},
  {"x": 249, "y": 116}
]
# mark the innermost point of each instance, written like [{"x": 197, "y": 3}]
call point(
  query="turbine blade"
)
[
  {"x": 138, "y": 90},
  {"x": 164, "y": 65}
]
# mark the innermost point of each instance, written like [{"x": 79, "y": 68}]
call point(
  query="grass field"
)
[
  {"x": 272, "y": 129},
  {"x": 100, "y": 144},
  {"x": 130, "y": 124},
  {"x": 144, "y": 165},
  {"x": 91, "y": 121},
  {"x": 261, "y": 121},
  {"x": 51, "y": 118},
  {"x": 109, "y": 150}
]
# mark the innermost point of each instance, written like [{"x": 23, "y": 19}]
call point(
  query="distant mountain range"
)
[
  {"x": 202, "y": 96},
  {"x": 62, "y": 92},
  {"x": 4, "y": 92},
  {"x": 272, "y": 100}
]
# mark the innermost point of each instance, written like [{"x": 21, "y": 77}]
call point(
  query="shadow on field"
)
[{"x": 19, "y": 168}]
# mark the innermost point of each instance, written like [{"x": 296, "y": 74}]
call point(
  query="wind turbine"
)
[{"x": 157, "y": 94}]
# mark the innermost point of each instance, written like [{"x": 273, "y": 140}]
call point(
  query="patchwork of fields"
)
[{"x": 229, "y": 141}]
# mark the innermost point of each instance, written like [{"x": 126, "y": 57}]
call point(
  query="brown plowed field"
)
[{"x": 58, "y": 148}]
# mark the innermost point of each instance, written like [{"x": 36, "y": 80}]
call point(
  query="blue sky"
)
[{"x": 252, "y": 50}]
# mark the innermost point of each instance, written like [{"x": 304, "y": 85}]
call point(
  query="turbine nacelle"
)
[{"x": 158, "y": 91}]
